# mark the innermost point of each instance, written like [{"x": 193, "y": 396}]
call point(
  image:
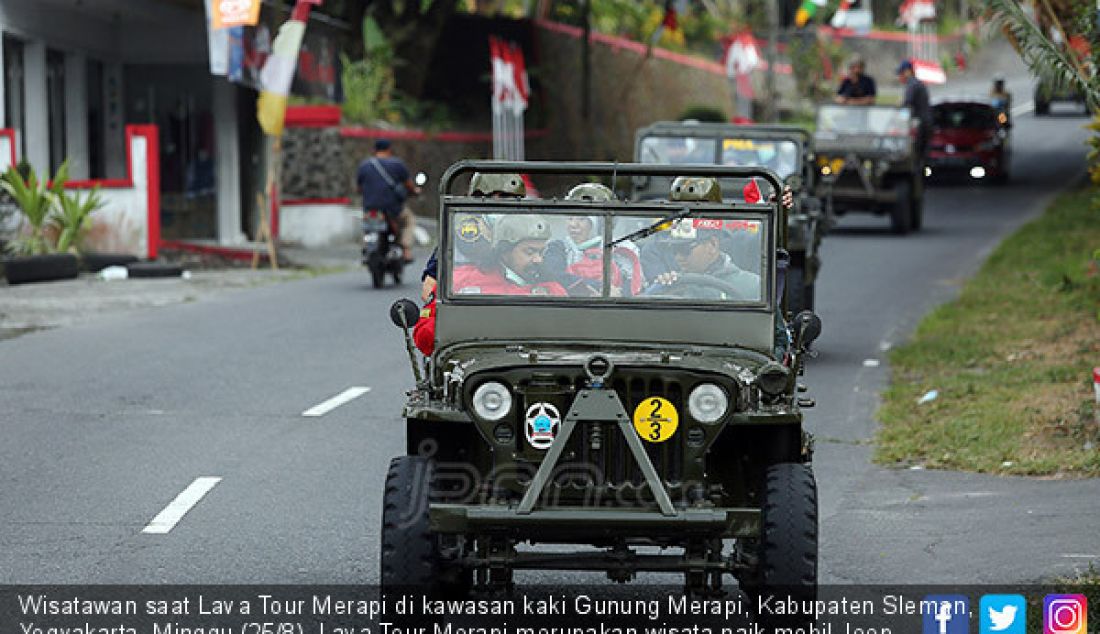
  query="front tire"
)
[
  {"x": 411, "y": 556},
  {"x": 901, "y": 216},
  {"x": 800, "y": 296},
  {"x": 788, "y": 542}
]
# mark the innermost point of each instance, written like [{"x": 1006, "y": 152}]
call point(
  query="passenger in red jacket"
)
[{"x": 519, "y": 242}]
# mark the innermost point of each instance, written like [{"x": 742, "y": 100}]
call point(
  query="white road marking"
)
[
  {"x": 342, "y": 398},
  {"x": 167, "y": 519},
  {"x": 871, "y": 363},
  {"x": 1023, "y": 108},
  {"x": 1079, "y": 556}
]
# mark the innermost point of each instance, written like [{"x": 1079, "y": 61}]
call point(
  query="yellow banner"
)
[{"x": 229, "y": 13}]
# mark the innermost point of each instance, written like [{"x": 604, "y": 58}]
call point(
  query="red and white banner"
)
[
  {"x": 929, "y": 72},
  {"x": 742, "y": 57},
  {"x": 913, "y": 12},
  {"x": 510, "y": 84},
  {"x": 229, "y": 13},
  {"x": 511, "y": 91}
]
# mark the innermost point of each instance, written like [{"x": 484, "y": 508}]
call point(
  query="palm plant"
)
[
  {"x": 71, "y": 216},
  {"x": 1054, "y": 63},
  {"x": 35, "y": 200}
]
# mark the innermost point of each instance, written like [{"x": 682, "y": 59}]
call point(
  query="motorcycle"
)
[{"x": 382, "y": 252}]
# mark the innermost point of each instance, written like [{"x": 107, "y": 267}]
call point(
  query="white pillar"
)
[
  {"x": 227, "y": 161},
  {"x": 76, "y": 115},
  {"x": 114, "y": 121},
  {"x": 3, "y": 73},
  {"x": 38, "y": 105}
]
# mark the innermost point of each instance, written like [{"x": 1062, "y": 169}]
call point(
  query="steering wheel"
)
[{"x": 694, "y": 279}]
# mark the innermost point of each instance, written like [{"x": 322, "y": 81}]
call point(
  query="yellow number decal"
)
[{"x": 656, "y": 419}]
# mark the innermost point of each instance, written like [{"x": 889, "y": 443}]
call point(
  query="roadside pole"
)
[{"x": 771, "y": 109}]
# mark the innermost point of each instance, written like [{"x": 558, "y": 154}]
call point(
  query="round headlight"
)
[
  {"x": 492, "y": 401},
  {"x": 772, "y": 379},
  {"x": 708, "y": 403}
]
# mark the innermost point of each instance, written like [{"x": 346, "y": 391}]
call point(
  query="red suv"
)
[{"x": 969, "y": 136}]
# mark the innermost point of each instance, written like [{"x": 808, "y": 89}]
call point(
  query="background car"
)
[{"x": 970, "y": 137}]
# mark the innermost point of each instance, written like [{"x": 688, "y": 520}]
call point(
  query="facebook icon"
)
[{"x": 945, "y": 614}]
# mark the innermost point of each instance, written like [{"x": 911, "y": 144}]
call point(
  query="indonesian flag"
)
[
  {"x": 278, "y": 71},
  {"x": 912, "y": 12},
  {"x": 510, "y": 84},
  {"x": 929, "y": 72},
  {"x": 751, "y": 192},
  {"x": 840, "y": 18}
]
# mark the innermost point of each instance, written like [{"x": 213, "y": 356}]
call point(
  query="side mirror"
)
[
  {"x": 808, "y": 327},
  {"x": 421, "y": 179},
  {"x": 404, "y": 313}
]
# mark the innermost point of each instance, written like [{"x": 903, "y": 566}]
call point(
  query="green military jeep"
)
[
  {"x": 786, "y": 150},
  {"x": 654, "y": 419},
  {"x": 868, "y": 163}
]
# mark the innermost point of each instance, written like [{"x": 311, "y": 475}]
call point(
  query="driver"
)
[{"x": 695, "y": 244}]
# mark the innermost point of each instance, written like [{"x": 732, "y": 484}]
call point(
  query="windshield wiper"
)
[{"x": 653, "y": 228}]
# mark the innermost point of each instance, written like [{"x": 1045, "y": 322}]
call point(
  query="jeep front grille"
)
[{"x": 609, "y": 457}]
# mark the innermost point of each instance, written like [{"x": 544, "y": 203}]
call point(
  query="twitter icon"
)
[{"x": 1003, "y": 614}]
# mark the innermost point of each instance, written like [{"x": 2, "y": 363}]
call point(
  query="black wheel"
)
[
  {"x": 377, "y": 273},
  {"x": 411, "y": 556},
  {"x": 808, "y": 297},
  {"x": 917, "y": 205},
  {"x": 901, "y": 216},
  {"x": 41, "y": 268},
  {"x": 797, "y": 291},
  {"x": 1042, "y": 108},
  {"x": 788, "y": 540},
  {"x": 785, "y": 554}
]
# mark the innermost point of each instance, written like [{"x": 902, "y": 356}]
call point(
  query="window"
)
[
  {"x": 14, "y": 99},
  {"x": 55, "y": 91}
]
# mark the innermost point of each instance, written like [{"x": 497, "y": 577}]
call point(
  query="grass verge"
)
[{"x": 1011, "y": 359}]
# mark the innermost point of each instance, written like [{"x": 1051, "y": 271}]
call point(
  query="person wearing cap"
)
[
  {"x": 857, "y": 89},
  {"x": 384, "y": 182},
  {"x": 916, "y": 99},
  {"x": 1000, "y": 98},
  {"x": 577, "y": 259},
  {"x": 518, "y": 244},
  {"x": 473, "y": 233}
]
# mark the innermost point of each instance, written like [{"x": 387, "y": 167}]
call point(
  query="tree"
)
[
  {"x": 1060, "y": 43},
  {"x": 413, "y": 28}
]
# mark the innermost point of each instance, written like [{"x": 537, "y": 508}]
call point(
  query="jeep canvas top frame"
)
[{"x": 616, "y": 414}]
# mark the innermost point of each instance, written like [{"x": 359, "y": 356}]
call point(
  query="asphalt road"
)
[{"x": 104, "y": 423}]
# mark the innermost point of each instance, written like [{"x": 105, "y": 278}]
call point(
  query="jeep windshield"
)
[
  {"x": 557, "y": 253},
  {"x": 839, "y": 120},
  {"x": 780, "y": 156},
  {"x": 679, "y": 150}
]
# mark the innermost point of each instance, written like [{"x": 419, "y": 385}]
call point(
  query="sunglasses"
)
[{"x": 684, "y": 248}]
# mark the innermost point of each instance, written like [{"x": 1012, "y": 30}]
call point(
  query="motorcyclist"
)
[{"x": 474, "y": 234}]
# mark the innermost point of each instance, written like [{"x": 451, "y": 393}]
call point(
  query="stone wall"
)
[
  {"x": 314, "y": 164},
  {"x": 628, "y": 91}
]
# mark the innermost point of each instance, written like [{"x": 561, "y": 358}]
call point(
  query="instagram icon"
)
[{"x": 1065, "y": 614}]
